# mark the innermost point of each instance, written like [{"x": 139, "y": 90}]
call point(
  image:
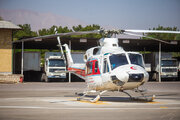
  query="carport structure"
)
[{"x": 86, "y": 43}]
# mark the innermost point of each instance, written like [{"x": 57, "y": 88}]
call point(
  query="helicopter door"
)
[{"x": 106, "y": 70}]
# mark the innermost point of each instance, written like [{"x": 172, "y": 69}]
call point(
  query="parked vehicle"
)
[
  {"x": 169, "y": 66},
  {"x": 54, "y": 67}
]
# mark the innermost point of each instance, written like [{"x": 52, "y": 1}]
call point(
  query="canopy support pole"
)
[
  {"x": 22, "y": 58},
  {"x": 159, "y": 61}
]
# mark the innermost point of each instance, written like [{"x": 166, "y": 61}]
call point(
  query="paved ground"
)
[{"x": 56, "y": 101}]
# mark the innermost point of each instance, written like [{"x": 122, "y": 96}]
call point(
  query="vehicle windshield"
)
[
  {"x": 136, "y": 59},
  {"x": 56, "y": 63},
  {"x": 167, "y": 63},
  {"x": 117, "y": 60}
]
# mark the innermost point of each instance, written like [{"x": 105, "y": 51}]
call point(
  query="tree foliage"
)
[
  {"x": 87, "y": 28},
  {"x": 177, "y": 37},
  {"x": 25, "y": 32},
  {"x": 50, "y": 31},
  {"x": 165, "y": 36},
  {"x": 61, "y": 29},
  {"x": 1, "y": 18}
]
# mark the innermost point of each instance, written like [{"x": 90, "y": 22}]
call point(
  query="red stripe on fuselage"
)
[{"x": 80, "y": 72}]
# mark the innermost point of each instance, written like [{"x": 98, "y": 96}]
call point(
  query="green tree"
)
[
  {"x": 77, "y": 28},
  {"x": 43, "y": 32},
  {"x": 1, "y": 18},
  {"x": 61, "y": 29},
  {"x": 24, "y": 32},
  {"x": 177, "y": 37},
  {"x": 50, "y": 31},
  {"x": 164, "y": 36},
  {"x": 87, "y": 28}
]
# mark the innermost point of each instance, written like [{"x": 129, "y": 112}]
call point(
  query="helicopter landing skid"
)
[
  {"x": 145, "y": 98},
  {"x": 96, "y": 99},
  {"x": 142, "y": 97}
]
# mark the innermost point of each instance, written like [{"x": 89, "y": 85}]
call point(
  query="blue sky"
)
[{"x": 126, "y": 14}]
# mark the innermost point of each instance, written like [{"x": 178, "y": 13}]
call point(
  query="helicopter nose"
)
[
  {"x": 124, "y": 74},
  {"x": 117, "y": 81},
  {"x": 119, "y": 77}
]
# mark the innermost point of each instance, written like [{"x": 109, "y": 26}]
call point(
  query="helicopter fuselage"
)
[{"x": 109, "y": 67}]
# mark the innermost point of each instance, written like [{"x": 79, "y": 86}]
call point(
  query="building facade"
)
[{"x": 6, "y": 38}]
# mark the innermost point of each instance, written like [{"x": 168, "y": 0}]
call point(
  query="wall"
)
[
  {"x": 5, "y": 51},
  {"x": 11, "y": 78}
]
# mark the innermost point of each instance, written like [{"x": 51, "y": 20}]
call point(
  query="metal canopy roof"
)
[{"x": 76, "y": 44}]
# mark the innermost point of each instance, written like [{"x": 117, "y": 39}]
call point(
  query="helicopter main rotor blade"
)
[
  {"x": 59, "y": 34},
  {"x": 152, "y": 31},
  {"x": 102, "y": 31},
  {"x": 147, "y": 37}
]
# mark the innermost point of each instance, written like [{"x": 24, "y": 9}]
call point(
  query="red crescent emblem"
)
[{"x": 133, "y": 68}]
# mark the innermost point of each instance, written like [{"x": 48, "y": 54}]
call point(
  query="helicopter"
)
[{"x": 108, "y": 67}]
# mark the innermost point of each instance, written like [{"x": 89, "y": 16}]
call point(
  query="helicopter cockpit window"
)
[
  {"x": 117, "y": 60},
  {"x": 96, "y": 67},
  {"x": 89, "y": 67},
  {"x": 95, "y": 51},
  {"x": 136, "y": 59}
]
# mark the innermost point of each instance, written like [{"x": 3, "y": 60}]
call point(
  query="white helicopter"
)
[{"x": 109, "y": 67}]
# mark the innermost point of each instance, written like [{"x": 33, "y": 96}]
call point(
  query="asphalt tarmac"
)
[{"x": 57, "y": 101}]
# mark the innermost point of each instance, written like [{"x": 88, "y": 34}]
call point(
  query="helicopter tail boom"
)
[
  {"x": 77, "y": 69},
  {"x": 68, "y": 55}
]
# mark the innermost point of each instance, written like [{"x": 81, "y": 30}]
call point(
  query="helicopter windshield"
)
[
  {"x": 117, "y": 60},
  {"x": 136, "y": 59}
]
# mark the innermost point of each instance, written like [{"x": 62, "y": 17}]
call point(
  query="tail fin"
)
[{"x": 68, "y": 55}]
